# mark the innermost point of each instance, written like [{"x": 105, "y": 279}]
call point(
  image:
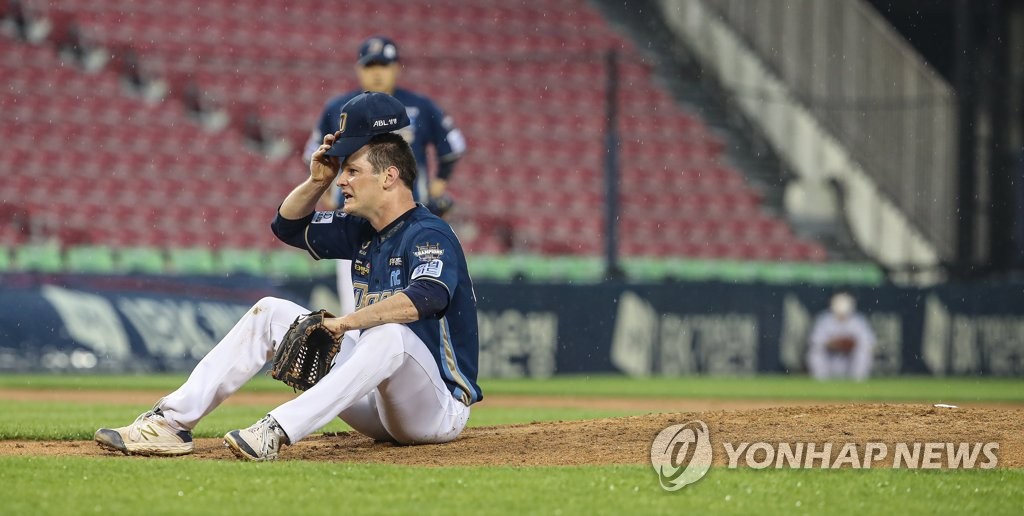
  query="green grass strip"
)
[
  {"x": 128, "y": 485},
  {"x": 902, "y": 388}
]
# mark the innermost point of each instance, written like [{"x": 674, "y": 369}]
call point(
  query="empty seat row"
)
[{"x": 525, "y": 81}]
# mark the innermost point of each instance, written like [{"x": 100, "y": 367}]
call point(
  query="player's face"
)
[
  {"x": 379, "y": 77},
  {"x": 360, "y": 186}
]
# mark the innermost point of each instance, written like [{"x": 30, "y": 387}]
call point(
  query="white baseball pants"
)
[
  {"x": 384, "y": 384},
  {"x": 345, "y": 295}
]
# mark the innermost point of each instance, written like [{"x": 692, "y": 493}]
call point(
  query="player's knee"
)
[
  {"x": 275, "y": 309},
  {"x": 267, "y": 303}
]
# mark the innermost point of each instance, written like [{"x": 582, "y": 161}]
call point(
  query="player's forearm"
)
[
  {"x": 327, "y": 200},
  {"x": 302, "y": 200},
  {"x": 395, "y": 309}
]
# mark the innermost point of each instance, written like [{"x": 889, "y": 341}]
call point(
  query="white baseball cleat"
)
[
  {"x": 261, "y": 441},
  {"x": 150, "y": 434}
]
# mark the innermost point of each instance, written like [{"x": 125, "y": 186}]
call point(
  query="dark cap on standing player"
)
[
  {"x": 365, "y": 116},
  {"x": 378, "y": 50}
]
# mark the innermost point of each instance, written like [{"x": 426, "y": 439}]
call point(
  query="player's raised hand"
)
[{"x": 323, "y": 168}]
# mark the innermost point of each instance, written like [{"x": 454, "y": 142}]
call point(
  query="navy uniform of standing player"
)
[
  {"x": 410, "y": 375},
  {"x": 378, "y": 69}
]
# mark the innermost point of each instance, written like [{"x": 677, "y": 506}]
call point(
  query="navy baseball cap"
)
[
  {"x": 378, "y": 50},
  {"x": 365, "y": 116}
]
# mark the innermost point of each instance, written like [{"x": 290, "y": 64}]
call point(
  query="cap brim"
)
[
  {"x": 345, "y": 147},
  {"x": 375, "y": 59}
]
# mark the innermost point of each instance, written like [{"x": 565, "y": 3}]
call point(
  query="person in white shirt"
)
[{"x": 841, "y": 342}]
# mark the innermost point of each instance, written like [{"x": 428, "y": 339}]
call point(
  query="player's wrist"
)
[
  {"x": 319, "y": 186},
  {"x": 345, "y": 322}
]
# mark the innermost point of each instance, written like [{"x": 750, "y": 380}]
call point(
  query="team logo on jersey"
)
[
  {"x": 342, "y": 121},
  {"x": 323, "y": 217},
  {"x": 361, "y": 268},
  {"x": 396, "y": 278},
  {"x": 428, "y": 252},
  {"x": 365, "y": 298},
  {"x": 395, "y": 261}
]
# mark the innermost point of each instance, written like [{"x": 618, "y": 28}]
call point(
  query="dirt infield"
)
[{"x": 620, "y": 440}]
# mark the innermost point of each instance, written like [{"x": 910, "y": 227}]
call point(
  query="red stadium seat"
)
[{"x": 533, "y": 115}]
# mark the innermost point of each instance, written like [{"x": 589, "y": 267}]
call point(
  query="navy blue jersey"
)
[
  {"x": 418, "y": 246},
  {"x": 428, "y": 126}
]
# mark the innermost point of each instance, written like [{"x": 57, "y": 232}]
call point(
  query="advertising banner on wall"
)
[{"x": 118, "y": 323}]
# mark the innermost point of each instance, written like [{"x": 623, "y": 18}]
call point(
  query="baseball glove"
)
[
  {"x": 306, "y": 352},
  {"x": 441, "y": 204},
  {"x": 842, "y": 345}
]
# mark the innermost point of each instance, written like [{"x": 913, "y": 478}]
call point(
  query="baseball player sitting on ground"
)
[
  {"x": 410, "y": 376},
  {"x": 841, "y": 342},
  {"x": 378, "y": 69}
]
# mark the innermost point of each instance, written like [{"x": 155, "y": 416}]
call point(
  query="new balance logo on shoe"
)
[{"x": 150, "y": 434}]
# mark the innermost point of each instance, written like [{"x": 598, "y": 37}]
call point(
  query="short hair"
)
[{"x": 391, "y": 150}]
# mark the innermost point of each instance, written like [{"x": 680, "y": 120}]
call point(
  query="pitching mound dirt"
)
[{"x": 627, "y": 440}]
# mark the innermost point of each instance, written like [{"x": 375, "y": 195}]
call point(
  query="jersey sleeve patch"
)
[
  {"x": 428, "y": 252},
  {"x": 432, "y": 269},
  {"x": 323, "y": 217}
]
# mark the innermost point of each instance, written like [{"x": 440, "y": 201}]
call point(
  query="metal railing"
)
[{"x": 863, "y": 82}]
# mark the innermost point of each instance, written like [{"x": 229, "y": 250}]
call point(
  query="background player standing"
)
[
  {"x": 378, "y": 69},
  {"x": 841, "y": 342},
  {"x": 410, "y": 375}
]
